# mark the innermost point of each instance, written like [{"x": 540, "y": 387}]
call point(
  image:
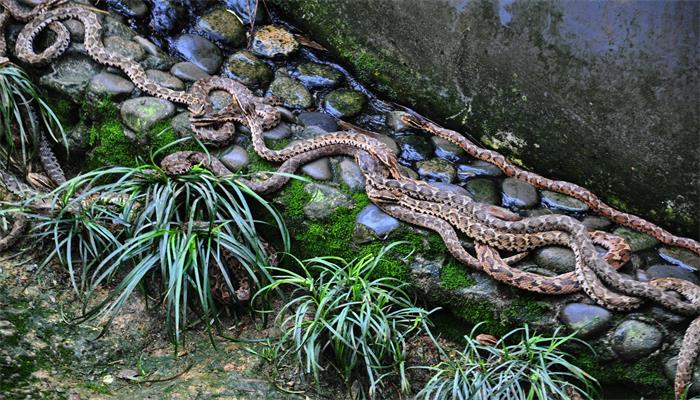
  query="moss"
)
[
  {"x": 474, "y": 312},
  {"x": 642, "y": 377},
  {"x": 99, "y": 388},
  {"x": 522, "y": 311},
  {"x": 455, "y": 276}
]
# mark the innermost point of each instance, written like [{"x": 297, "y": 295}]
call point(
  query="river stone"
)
[
  {"x": 281, "y": 131},
  {"x": 129, "y": 8},
  {"x": 436, "y": 170},
  {"x": 167, "y": 17},
  {"x": 273, "y": 42},
  {"x": 555, "y": 258},
  {"x": 446, "y": 149},
  {"x": 379, "y": 222},
  {"x": 106, "y": 84},
  {"x": 181, "y": 124},
  {"x": 343, "y": 103},
  {"x": 219, "y": 99},
  {"x": 588, "y": 320},
  {"x": 236, "y": 159},
  {"x": 291, "y": 91},
  {"x": 596, "y": 223},
  {"x": 408, "y": 172},
  {"x": 477, "y": 168},
  {"x": 165, "y": 79},
  {"x": 113, "y": 25},
  {"x": 393, "y": 121},
  {"x": 670, "y": 371},
  {"x": 149, "y": 47},
  {"x": 351, "y": 175},
  {"x": 483, "y": 190},
  {"x": 389, "y": 142},
  {"x": 188, "y": 72},
  {"x": 562, "y": 202},
  {"x": 319, "y": 119},
  {"x": 222, "y": 26},
  {"x": 199, "y": 51},
  {"x": 634, "y": 339},
  {"x": 142, "y": 113},
  {"x": 637, "y": 240},
  {"x": 70, "y": 76},
  {"x": 538, "y": 212},
  {"x": 314, "y": 75},
  {"x": 449, "y": 187},
  {"x": 308, "y": 133},
  {"x": 245, "y": 67},
  {"x": 681, "y": 257},
  {"x": 123, "y": 48},
  {"x": 671, "y": 271},
  {"x": 244, "y": 8},
  {"x": 319, "y": 169},
  {"x": 414, "y": 148},
  {"x": 517, "y": 193},
  {"x": 324, "y": 201}
]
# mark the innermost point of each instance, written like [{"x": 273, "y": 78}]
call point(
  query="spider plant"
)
[
  {"x": 531, "y": 367},
  {"x": 341, "y": 318}
]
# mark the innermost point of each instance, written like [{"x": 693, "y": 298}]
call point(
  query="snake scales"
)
[{"x": 407, "y": 199}]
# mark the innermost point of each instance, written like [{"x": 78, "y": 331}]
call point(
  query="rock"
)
[
  {"x": 342, "y": 103},
  {"x": 222, "y": 26},
  {"x": 351, "y": 175},
  {"x": 596, "y": 223},
  {"x": 70, "y": 76},
  {"x": 324, "y": 201},
  {"x": 588, "y": 320},
  {"x": 244, "y": 9},
  {"x": 681, "y": 257},
  {"x": 291, "y": 91},
  {"x": 414, "y": 148},
  {"x": 637, "y": 240},
  {"x": 389, "y": 142},
  {"x": 245, "y": 67},
  {"x": 670, "y": 371},
  {"x": 409, "y": 172},
  {"x": 446, "y": 149},
  {"x": 378, "y": 222},
  {"x": 538, "y": 212},
  {"x": 127, "y": 49},
  {"x": 314, "y": 75},
  {"x": 517, "y": 193},
  {"x": 167, "y": 17},
  {"x": 142, "y": 113},
  {"x": 236, "y": 159},
  {"x": 273, "y": 42},
  {"x": 634, "y": 339},
  {"x": 309, "y": 133},
  {"x": 113, "y": 25},
  {"x": 436, "y": 170},
  {"x": 219, "y": 99},
  {"x": 129, "y": 8},
  {"x": 555, "y": 258},
  {"x": 319, "y": 169},
  {"x": 188, "y": 72},
  {"x": 319, "y": 119},
  {"x": 165, "y": 79},
  {"x": 281, "y": 131},
  {"x": 477, "y": 168},
  {"x": 393, "y": 121},
  {"x": 483, "y": 190},
  {"x": 449, "y": 187},
  {"x": 149, "y": 47},
  {"x": 562, "y": 202},
  {"x": 199, "y": 51},
  {"x": 181, "y": 124},
  {"x": 671, "y": 271},
  {"x": 105, "y": 84}
]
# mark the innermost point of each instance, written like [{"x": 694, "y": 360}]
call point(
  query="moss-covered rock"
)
[
  {"x": 245, "y": 67},
  {"x": 344, "y": 103}
]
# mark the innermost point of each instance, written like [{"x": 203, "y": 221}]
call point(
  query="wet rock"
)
[
  {"x": 165, "y": 79},
  {"x": 70, "y": 76},
  {"x": 105, "y": 84},
  {"x": 273, "y": 42},
  {"x": 538, "y": 212},
  {"x": 113, "y": 25},
  {"x": 351, "y": 175},
  {"x": 414, "y": 148},
  {"x": 562, "y": 202},
  {"x": 247, "y": 10},
  {"x": 291, "y": 91},
  {"x": 436, "y": 170},
  {"x": 342, "y": 103},
  {"x": 483, "y": 190},
  {"x": 477, "y": 168},
  {"x": 245, "y": 67},
  {"x": 188, "y": 72},
  {"x": 634, "y": 339},
  {"x": 319, "y": 169},
  {"x": 281, "y": 131},
  {"x": 670, "y": 372},
  {"x": 221, "y": 26},
  {"x": 671, "y": 271},
  {"x": 309, "y": 133},
  {"x": 324, "y": 201},
  {"x": 142, "y": 113},
  {"x": 219, "y": 99},
  {"x": 314, "y": 75},
  {"x": 517, "y": 193},
  {"x": 596, "y": 223},
  {"x": 379, "y": 223},
  {"x": 637, "y": 240},
  {"x": 167, "y": 16},
  {"x": 588, "y": 320},
  {"x": 319, "y": 119},
  {"x": 446, "y": 149},
  {"x": 393, "y": 121},
  {"x": 123, "y": 48},
  {"x": 449, "y": 187},
  {"x": 129, "y": 8},
  {"x": 555, "y": 258},
  {"x": 681, "y": 257},
  {"x": 236, "y": 159},
  {"x": 199, "y": 51},
  {"x": 181, "y": 124}
]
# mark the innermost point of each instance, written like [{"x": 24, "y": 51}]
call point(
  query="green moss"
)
[
  {"x": 643, "y": 377},
  {"x": 455, "y": 276},
  {"x": 478, "y": 311},
  {"x": 523, "y": 310},
  {"x": 99, "y": 388}
]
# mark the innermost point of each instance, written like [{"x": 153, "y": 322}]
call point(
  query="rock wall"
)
[{"x": 603, "y": 94}]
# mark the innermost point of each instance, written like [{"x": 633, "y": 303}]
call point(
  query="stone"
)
[
  {"x": 638, "y": 241},
  {"x": 199, "y": 51},
  {"x": 596, "y": 223},
  {"x": 167, "y": 16},
  {"x": 477, "y": 168},
  {"x": 219, "y": 99},
  {"x": 436, "y": 170},
  {"x": 273, "y": 42},
  {"x": 309, "y": 133},
  {"x": 70, "y": 76},
  {"x": 634, "y": 339},
  {"x": 281, "y": 131},
  {"x": 181, "y": 124},
  {"x": 162, "y": 62},
  {"x": 555, "y": 258},
  {"x": 562, "y": 202},
  {"x": 291, "y": 91},
  {"x": 245, "y": 67},
  {"x": 236, "y": 158},
  {"x": 319, "y": 169},
  {"x": 379, "y": 222},
  {"x": 389, "y": 142},
  {"x": 517, "y": 193},
  {"x": 149, "y": 47},
  {"x": 129, "y": 8},
  {"x": 343, "y": 103},
  {"x": 244, "y": 9},
  {"x": 319, "y": 119},
  {"x": 324, "y": 201},
  {"x": 106, "y": 84},
  {"x": 449, "y": 187},
  {"x": 670, "y": 271},
  {"x": 222, "y": 26},
  {"x": 314, "y": 75},
  {"x": 483, "y": 190},
  {"x": 588, "y": 320},
  {"x": 414, "y": 148},
  {"x": 113, "y": 25},
  {"x": 538, "y": 212},
  {"x": 681, "y": 257},
  {"x": 670, "y": 372},
  {"x": 142, "y": 113},
  {"x": 351, "y": 175},
  {"x": 446, "y": 149},
  {"x": 393, "y": 121},
  {"x": 123, "y": 48},
  {"x": 165, "y": 79},
  {"x": 188, "y": 72}
]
